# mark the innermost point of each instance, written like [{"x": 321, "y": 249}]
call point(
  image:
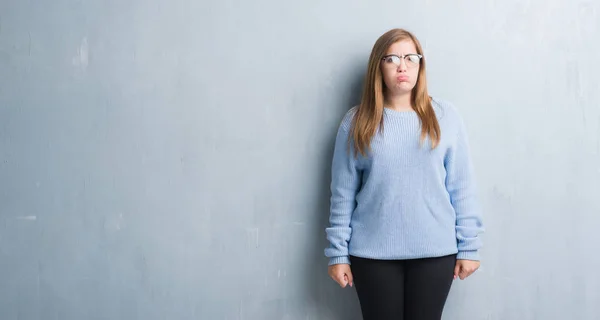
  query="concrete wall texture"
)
[{"x": 170, "y": 159}]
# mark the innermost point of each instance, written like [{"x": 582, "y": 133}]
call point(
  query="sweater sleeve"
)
[
  {"x": 460, "y": 183},
  {"x": 345, "y": 182}
]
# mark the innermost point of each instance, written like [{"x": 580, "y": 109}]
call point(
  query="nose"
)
[{"x": 402, "y": 66}]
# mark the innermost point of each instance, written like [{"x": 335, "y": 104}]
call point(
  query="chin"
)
[{"x": 404, "y": 88}]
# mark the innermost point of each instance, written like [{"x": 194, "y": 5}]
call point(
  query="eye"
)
[
  {"x": 413, "y": 58},
  {"x": 392, "y": 59}
]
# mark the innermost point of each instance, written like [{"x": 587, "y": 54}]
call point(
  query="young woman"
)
[{"x": 404, "y": 211}]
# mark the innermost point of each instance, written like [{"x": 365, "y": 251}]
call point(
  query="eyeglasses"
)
[{"x": 393, "y": 61}]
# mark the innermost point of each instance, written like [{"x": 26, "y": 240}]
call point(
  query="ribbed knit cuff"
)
[
  {"x": 339, "y": 260},
  {"x": 468, "y": 255}
]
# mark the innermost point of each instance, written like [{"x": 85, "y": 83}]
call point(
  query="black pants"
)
[{"x": 403, "y": 289}]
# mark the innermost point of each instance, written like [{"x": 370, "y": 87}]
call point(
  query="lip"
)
[{"x": 402, "y": 78}]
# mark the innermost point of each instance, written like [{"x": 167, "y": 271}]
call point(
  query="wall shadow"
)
[{"x": 332, "y": 301}]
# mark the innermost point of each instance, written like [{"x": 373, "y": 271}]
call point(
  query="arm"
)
[
  {"x": 345, "y": 182},
  {"x": 460, "y": 183}
]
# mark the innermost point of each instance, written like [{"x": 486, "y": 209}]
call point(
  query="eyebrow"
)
[{"x": 397, "y": 54}]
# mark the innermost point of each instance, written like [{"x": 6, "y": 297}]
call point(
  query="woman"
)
[{"x": 403, "y": 208}]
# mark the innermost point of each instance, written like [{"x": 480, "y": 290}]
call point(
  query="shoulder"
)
[
  {"x": 446, "y": 110},
  {"x": 347, "y": 118},
  {"x": 350, "y": 113}
]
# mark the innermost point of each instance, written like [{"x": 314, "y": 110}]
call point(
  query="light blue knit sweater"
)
[{"x": 404, "y": 200}]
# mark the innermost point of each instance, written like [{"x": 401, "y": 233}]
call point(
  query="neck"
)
[{"x": 399, "y": 101}]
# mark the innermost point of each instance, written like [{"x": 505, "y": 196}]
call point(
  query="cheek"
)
[
  {"x": 388, "y": 73},
  {"x": 389, "y": 77},
  {"x": 414, "y": 76}
]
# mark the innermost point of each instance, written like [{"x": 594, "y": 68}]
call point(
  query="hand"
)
[
  {"x": 341, "y": 274},
  {"x": 465, "y": 268}
]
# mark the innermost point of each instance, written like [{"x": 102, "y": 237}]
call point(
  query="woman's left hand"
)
[{"x": 465, "y": 268}]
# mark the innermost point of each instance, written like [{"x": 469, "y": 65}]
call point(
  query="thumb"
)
[
  {"x": 350, "y": 278},
  {"x": 343, "y": 281},
  {"x": 456, "y": 270}
]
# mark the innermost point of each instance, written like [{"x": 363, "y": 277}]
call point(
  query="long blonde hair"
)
[{"x": 369, "y": 115}]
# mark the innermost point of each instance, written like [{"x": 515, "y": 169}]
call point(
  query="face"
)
[{"x": 400, "y": 67}]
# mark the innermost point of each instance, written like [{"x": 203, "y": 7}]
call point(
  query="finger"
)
[
  {"x": 470, "y": 272},
  {"x": 350, "y": 278},
  {"x": 462, "y": 273},
  {"x": 341, "y": 281},
  {"x": 456, "y": 270},
  {"x": 465, "y": 273}
]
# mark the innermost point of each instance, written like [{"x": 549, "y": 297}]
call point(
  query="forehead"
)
[{"x": 402, "y": 47}]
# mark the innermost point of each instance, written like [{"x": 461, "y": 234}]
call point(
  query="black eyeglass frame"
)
[{"x": 403, "y": 56}]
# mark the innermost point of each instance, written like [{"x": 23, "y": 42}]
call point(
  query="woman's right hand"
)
[{"x": 341, "y": 274}]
